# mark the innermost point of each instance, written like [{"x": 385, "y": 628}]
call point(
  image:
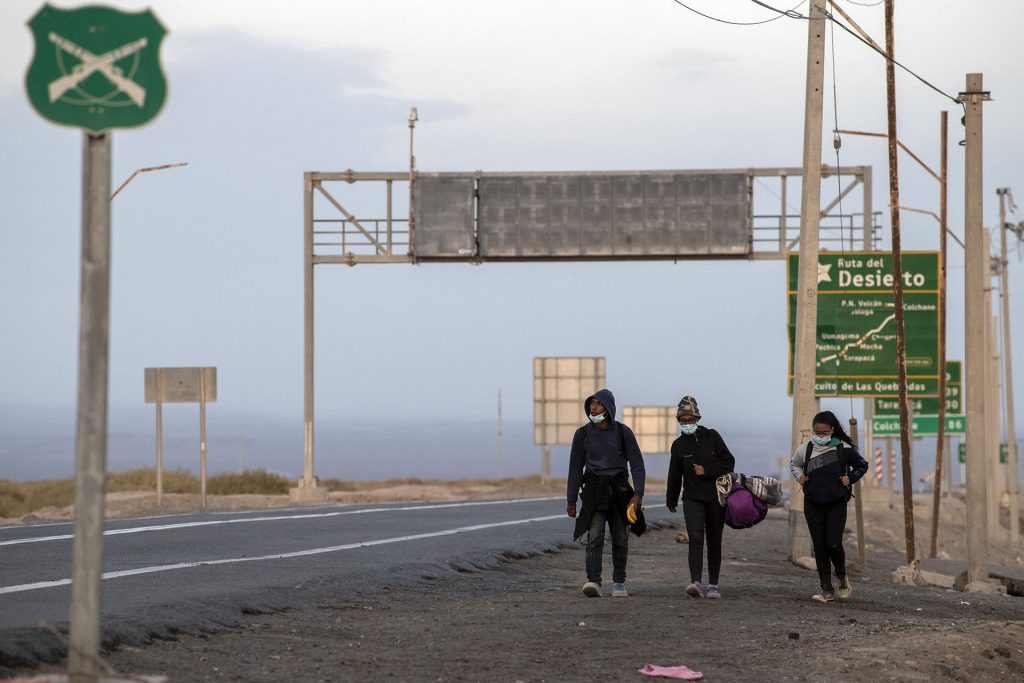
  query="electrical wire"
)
[
  {"x": 866, "y": 4},
  {"x": 828, "y": 15},
  {"x": 734, "y": 23}
]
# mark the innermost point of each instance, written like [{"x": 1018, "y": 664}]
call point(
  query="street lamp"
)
[
  {"x": 146, "y": 170},
  {"x": 414, "y": 116}
]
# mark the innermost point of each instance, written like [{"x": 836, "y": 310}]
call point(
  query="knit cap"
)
[{"x": 687, "y": 406}]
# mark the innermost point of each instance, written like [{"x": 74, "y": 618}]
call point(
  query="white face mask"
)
[
  {"x": 821, "y": 440},
  {"x": 597, "y": 419},
  {"x": 688, "y": 429}
]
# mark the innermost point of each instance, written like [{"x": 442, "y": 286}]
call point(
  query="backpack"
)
[
  {"x": 742, "y": 508},
  {"x": 622, "y": 437},
  {"x": 843, "y": 465}
]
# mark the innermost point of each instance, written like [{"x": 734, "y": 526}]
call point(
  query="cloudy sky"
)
[{"x": 207, "y": 259}]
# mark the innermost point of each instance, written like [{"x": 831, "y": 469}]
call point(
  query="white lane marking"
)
[
  {"x": 276, "y": 518},
  {"x": 298, "y": 553}
]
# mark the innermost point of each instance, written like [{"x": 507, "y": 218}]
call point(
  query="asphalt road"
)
[{"x": 165, "y": 574}]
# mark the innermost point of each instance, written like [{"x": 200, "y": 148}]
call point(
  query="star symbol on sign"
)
[{"x": 823, "y": 273}]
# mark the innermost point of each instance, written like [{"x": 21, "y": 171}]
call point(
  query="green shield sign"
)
[{"x": 96, "y": 67}]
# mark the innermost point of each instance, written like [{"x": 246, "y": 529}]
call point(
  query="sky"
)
[{"x": 207, "y": 259}]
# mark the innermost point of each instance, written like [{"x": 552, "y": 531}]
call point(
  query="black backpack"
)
[{"x": 840, "y": 453}]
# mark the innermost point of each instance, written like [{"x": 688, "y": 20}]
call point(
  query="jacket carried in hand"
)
[{"x": 704, "y": 447}]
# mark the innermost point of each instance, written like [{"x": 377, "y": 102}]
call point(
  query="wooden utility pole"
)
[
  {"x": 940, "y": 440},
  {"x": 995, "y": 487},
  {"x": 897, "y": 288},
  {"x": 805, "y": 341},
  {"x": 1011, "y": 431},
  {"x": 975, "y": 250}
]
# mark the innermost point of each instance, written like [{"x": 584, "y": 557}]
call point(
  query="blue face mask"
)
[
  {"x": 688, "y": 429},
  {"x": 597, "y": 419},
  {"x": 821, "y": 440}
]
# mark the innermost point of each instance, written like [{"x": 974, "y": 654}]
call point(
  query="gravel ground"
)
[{"x": 528, "y": 621}]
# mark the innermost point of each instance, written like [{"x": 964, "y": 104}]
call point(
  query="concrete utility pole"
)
[
  {"x": 897, "y": 288},
  {"x": 805, "y": 343},
  {"x": 940, "y": 440},
  {"x": 1011, "y": 431},
  {"x": 858, "y": 505},
  {"x": 976, "y": 247},
  {"x": 91, "y": 429}
]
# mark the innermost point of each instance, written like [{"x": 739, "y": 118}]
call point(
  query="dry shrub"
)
[
  {"x": 144, "y": 479},
  {"x": 21, "y": 498},
  {"x": 12, "y": 499},
  {"x": 257, "y": 481}
]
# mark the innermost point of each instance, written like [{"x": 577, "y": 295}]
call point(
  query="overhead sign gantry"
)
[{"x": 480, "y": 217}]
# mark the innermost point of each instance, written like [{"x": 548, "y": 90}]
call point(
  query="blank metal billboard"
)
[
  {"x": 640, "y": 214},
  {"x": 443, "y": 209},
  {"x": 654, "y": 427},
  {"x": 560, "y": 385}
]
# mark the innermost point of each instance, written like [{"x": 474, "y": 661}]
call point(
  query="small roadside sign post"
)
[
  {"x": 93, "y": 68},
  {"x": 180, "y": 385}
]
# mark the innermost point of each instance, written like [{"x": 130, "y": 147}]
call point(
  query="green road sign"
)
[
  {"x": 962, "y": 454},
  {"x": 856, "y": 336},
  {"x": 921, "y": 425},
  {"x": 96, "y": 68},
  {"x": 929, "y": 406}
]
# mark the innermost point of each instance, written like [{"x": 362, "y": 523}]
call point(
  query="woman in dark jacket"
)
[
  {"x": 699, "y": 457},
  {"x": 827, "y": 471}
]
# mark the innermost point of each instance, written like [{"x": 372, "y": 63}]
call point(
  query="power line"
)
[
  {"x": 733, "y": 23},
  {"x": 828, "y": 15},
  {"x": 866, "y": 4}
]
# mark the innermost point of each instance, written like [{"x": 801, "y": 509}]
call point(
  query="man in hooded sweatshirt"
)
[{"x": 601, "y": 451}]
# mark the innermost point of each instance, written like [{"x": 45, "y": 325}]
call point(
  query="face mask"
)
[
  {"x": 688, "y": 429},
  {"x": 597, "y": 419},
  {"x": 821, "y": 440}
]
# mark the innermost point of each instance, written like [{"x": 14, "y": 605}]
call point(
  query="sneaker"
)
[
  {"x": 619, "y": 590},
  {"x": 824, "y": 596},
  {"x": 693, "y": 590},
  {"x": 591, "y": 589},
  {"x": 713, "y": 593},
  {"x": 845, "y": 589}
]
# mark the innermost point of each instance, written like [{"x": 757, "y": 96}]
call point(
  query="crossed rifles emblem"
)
[{"x": 90, "y": 63}]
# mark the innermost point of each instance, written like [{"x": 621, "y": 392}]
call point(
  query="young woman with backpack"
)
[
  {"x": 699, "y": 457},
  {"x": 827, "y": 470}
]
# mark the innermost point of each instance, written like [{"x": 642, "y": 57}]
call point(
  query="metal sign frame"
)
[
  {"x": 334, "y": 234},
  {"x": 180, "y": 385}
]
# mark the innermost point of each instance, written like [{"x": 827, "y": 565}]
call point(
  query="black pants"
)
[
  {"x": 826, "y": 524},
  {"x": 704, "y": 520}
]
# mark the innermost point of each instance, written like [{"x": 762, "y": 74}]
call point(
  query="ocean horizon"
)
[{"x": 39, "y": 444}]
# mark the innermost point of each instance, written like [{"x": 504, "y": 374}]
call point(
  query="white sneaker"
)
[
  {"x": 591, "y": 589},
  {"x": 619, "y": 590},
  {"x": 693, "y": 590}
]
